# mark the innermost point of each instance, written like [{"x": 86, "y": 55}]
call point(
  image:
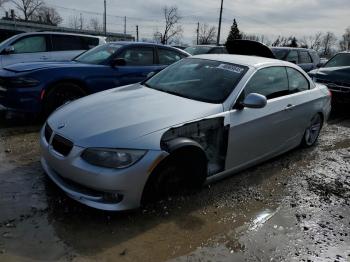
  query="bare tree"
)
[
  {"x": 207, "y": 35},
  {"x": 344, "y": 44},
  {"x": 48, "y": 15},
  {"x": 252, "y": 37},
  {"x": 3, "y": 2},
  {"x": 27, "y": 7},
  {"x": 95, "y": 25},
  {"x": 328, "y": 41},
  {"x": 172, "y": 28},
  {"x": 312, "y": 41},
  {"x": 76, "y": 22}
]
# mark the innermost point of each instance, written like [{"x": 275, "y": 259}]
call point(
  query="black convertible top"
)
[{"x": 249, "y": 47}]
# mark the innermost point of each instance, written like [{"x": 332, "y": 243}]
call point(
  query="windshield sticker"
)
[{"x": 232, "y": 68}]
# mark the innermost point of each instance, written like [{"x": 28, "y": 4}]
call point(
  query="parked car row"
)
[{"x": 41, "y": 87}]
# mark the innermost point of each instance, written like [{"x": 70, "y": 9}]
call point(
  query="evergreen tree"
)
[
  {"x": 234, "y": 33},
  {"x": 293, "y": 42}
]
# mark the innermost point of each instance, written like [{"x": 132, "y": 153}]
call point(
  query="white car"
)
[
  {"x": 45, "y": 46},
  {"x": 196, "y": 121}
]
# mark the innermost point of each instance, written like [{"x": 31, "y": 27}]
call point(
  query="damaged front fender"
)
[{"x": 210, "y": 135}]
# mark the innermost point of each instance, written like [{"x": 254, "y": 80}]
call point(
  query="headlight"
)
[
  {"x": 112, "y": 158},
  {"x": 23, "y": 82}
]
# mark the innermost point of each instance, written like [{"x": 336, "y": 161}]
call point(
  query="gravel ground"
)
[{"x": 293, "y": 208}]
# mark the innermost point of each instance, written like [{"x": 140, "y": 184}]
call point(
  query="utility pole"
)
[
  {"x": 198, "y": 33},
  {"x": 81, "y": 21},
  {"x": 105, "y": 19},
  {"x": 125, "y": 28},
  {"x": 220, "y": 19},
  {"x": 137, "y": 33}
]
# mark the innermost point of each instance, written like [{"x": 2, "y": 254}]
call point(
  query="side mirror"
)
[
  {"x": 118, "y": 62},
  {"x": 254, "y": 100},
  {"x": 9, "y": 50},
  {"x": 319, "y": 65},
  {"x": 293, "y": 61},
  {"x": 149, "y": 75}
]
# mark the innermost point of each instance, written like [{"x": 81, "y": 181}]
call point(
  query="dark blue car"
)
[{"x": 42, "y": 87}]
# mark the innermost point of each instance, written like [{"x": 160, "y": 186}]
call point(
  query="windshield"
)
[
  {"x": 339, "y": 60},
  {"x": 279, "y": 53},
  {"x": 199, "y": 79},
  {"x": 99, "y": 54},
  {"x": 198, "y": 50}
]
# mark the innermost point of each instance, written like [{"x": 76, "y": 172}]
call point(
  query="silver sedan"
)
[{"x": 197, "y": 121}]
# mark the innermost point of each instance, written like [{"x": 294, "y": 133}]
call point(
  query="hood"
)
[
  {"x": 113, "y": 118},
  {"x": 27, "y": 67},
  {"x": 248, "y": 47},
  {"x": 338, "y": 74}
]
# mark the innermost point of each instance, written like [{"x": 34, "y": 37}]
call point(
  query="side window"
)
[
  {"x": 271, "y": 82},
  {"x": 138, "y": 56},
  {"x": 67, "y": 43},
  {"x": 293, "y": 57},
  {"x": 90, "y": 42},
  {"x": 297, "y": 82},
  {"x": 305, "y": 57},
  {"x": 32, "y": 44},
  {"x": 168, "y": 57}
]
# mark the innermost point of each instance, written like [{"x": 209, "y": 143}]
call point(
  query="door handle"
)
[
  {"x": 44, "y": 58},
  {"x": 289, "y": 107}
]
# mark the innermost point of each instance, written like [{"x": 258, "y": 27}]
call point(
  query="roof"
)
[
  {"x": 60, "y": 33},
  {"x": 251, "y": 61},
  {"x": 289, "y": 48},
  {"x": 146, "y": 44},
  {"x": 206, "y": 46}
]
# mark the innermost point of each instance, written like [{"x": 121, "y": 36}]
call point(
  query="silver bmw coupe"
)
[{"x": 199, "y": 120}]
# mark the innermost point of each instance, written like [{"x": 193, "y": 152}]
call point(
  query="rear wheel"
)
[
  {"x": 61, "y": 94},
  {"x": 313, "y": 131}
]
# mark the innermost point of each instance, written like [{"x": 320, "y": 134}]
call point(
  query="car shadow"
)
[{"x": 339, "y": 113}]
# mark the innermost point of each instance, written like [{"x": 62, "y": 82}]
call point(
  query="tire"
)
[
  {"x": 177, "y": 174},
  {"x": 59, "y": 95},
  {"x": 312, "y": 132}
]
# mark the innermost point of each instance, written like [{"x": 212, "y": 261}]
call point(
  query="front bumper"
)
[
  {"x": 94, "y": 186},
  {"x": 21, "y": 100}
]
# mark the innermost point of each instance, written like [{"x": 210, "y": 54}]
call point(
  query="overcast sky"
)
[{"x": 269, "y": 17}]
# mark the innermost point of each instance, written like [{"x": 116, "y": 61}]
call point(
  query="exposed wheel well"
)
[{"x": 191, "y": 159}]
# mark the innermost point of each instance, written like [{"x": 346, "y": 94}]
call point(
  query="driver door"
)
[
  {"x": 140, "y": 61},
  {"x": 257, "y": 134}
]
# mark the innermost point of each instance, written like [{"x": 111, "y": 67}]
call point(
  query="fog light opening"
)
[{"x": 112, "y": 197}]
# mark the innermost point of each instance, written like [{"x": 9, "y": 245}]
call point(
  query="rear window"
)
[
  {"x": 67, "y": 43},
  {"x": 280, "y": 53},
  {"x": 305, "y": 57},
  {"x": 198, "y": 50}
]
